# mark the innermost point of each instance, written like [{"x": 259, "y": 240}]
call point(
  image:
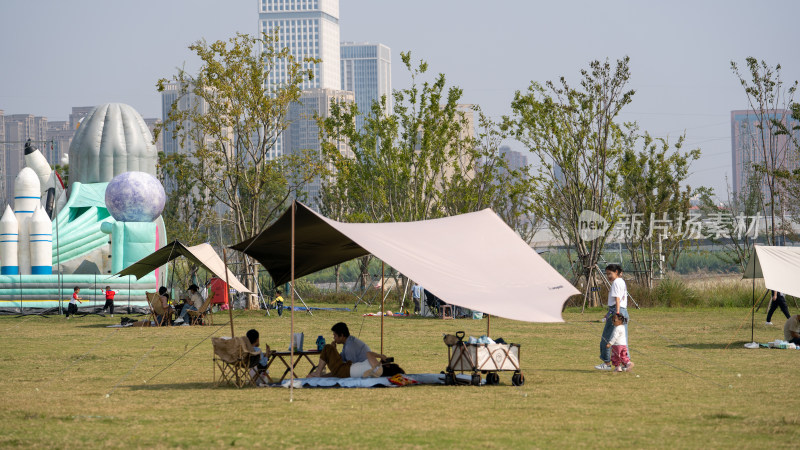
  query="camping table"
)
[{"x": 285, "y": 358}]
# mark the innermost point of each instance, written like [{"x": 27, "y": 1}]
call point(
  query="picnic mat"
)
[{"x": 331, "y": 382}]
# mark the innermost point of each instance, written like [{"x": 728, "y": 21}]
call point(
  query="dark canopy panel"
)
[{"x": 317, "y": 245}]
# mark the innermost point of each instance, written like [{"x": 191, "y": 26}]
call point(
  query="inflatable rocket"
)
[
  {"x": 41, "y": 243},
  {"x": 9, "y": 243},
  {"x": 52, "y": 187},
  {"x": 26, "y": 235}
]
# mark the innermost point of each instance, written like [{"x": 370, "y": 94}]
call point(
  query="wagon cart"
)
[{"x": 481, "y": 358}]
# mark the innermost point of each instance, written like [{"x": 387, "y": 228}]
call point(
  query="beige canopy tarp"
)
[
  {"x": 471, "y": 260},
  {"x": 778, "y": 266},
  {"x": 203, "y": 255}
]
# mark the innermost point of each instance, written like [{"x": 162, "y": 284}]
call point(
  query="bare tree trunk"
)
[{"x": 363, "y": 265}]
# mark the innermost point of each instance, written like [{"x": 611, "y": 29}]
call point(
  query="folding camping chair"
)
[
  {"x": 158, "y": 315},
  {"x": 203, "y": 314},
  {"x": 234, "y": 358}
]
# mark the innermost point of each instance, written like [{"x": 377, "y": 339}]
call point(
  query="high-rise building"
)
[
  {"x": 367, "y": 72},
  {"x": 77, "y": 114},
  {"x": 168, "y": 96},
  {"x": 59, "y": 137},
  {"x": 515, "y": 160},
  {"x": 303, "y": 131},
  {"x": 309, "y": 29},
  {"x": 3, "y": 164},
  {"x": 747, "y": 146}
]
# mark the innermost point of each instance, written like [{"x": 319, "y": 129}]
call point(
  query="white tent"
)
[
  {"x": 778, "y": 266},
  {"x": 203, "y": 255},
  {"x": 471, "y": 260}
]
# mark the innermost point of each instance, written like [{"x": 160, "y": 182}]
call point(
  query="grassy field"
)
[{"x": 76, "y": 383}]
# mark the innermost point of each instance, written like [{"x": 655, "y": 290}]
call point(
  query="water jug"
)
[{"x": 320, "y": 343}]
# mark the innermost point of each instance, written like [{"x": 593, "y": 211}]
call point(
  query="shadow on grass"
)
[
  {"x": 589, "y": 370},
  {"x": 176, "y": 386},
  {"x": 711, "y": 346}
]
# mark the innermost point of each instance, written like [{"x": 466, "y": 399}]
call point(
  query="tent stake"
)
[
  {"x": 382, "y": 304},
  {"x": 227, "y": 289},
  {"x": 291, "y": 335}
]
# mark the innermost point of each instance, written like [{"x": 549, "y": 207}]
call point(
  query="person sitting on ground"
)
[
  {"x": 356, "y": 359},
  {"x": 791, "y": 330},
  {"x": 260, "y": 360},
  {"x": 194, "y": 304}
]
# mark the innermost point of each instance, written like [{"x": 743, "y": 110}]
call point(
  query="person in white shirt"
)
[
  {"x": 617, "y": 304},
  {"x": 194, "y": 304},
  {"x": 619, "y": 345}
]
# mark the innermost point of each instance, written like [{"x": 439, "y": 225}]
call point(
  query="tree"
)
[
  {"x": 575, "y": 135},
  {"x": 738, "y": 235},
  {"x": 767, "y": 99},
  {"x": 654, "y": 204},
  {"x": 229, "y": 135},
  {"x": 418, "y": 162},
  {"x": 788, "y": 178}
]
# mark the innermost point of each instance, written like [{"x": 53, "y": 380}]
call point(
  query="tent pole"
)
[
  {"x": 488, "y": 323},
  {"x": 382, "y": 304},
  {"x": 291, "y": 335},
  {"x": 227, "y": 289},
  {"x": 753, "y": 312}
]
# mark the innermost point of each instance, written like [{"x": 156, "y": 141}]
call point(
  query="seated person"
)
[
  {"x": 163, "y": 295},
  {"x": 194, "y": 303},
  {"x": 791, "y": 330},
  {"x": 258, "y": 362},
  {"x": 356, "y": 359}
]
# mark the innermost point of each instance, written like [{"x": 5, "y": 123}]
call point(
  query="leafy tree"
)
[
  {"x": 768, "y": 99},
  {"x": 745, "y": 209},
  {"x": 575, "y": 134},
  {"x": 418, "y": 162},
  {"x": 789, "y": 179},
  {"x": 188, "y": 212},
  {"x": 229, "y": 135},
  {"x": 655, "y": 205}
]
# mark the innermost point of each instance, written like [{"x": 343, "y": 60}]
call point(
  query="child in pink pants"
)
[{"x": 619, "y": 345}]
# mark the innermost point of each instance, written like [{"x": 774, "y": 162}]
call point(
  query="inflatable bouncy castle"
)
[{"x": 56, "y": 237}]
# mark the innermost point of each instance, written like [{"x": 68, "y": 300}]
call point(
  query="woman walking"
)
[{"x": 617, "y": 304}]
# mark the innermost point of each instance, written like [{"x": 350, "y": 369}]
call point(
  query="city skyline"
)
[{"x": 680, "y": 54}]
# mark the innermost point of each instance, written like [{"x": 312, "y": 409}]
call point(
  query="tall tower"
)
[
  {"x": 747, "y": 147},
  {"x": 303, "y": 131},
  {"x": 309, "y": 28},
  {"x": 168, "y": 96},
  {"x": 367, "y": 72}
]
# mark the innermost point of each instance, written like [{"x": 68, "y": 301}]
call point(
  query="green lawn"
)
[{"x": 688, "y": 389}]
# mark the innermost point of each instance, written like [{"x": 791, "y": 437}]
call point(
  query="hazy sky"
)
[{"x": 56, "y": 54}]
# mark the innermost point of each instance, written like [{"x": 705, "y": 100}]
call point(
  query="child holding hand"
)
[{"x": 619, "y": 345}]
